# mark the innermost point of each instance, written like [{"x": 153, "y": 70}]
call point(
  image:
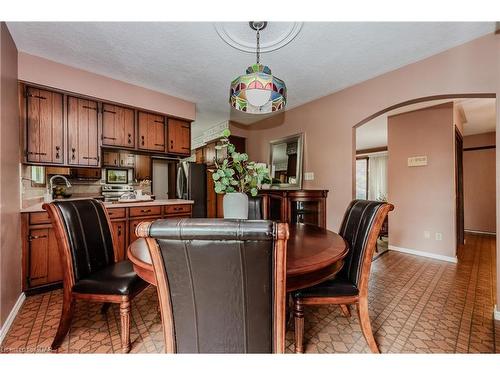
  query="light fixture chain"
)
[{"x": 258, "y": 46}]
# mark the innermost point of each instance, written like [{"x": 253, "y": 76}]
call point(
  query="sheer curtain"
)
[{"x": 377, "y": 177}]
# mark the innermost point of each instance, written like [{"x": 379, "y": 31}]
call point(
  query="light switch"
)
[
  {"x": 309, "y": 176},
  {"x": 439, "y": 236}
]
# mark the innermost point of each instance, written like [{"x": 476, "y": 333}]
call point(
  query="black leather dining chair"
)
[
  {"x": 360, "y": 228},
  {"x": 87, "y": 251},
  {"x": 220, "y": 282}
]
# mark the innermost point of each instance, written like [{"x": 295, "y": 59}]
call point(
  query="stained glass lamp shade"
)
[{"x": 258, "y": 91}]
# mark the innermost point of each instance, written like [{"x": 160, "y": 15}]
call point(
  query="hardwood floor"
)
[{"x": 417, "y": 305}]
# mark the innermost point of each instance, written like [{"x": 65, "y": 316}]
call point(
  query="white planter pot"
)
[{"x": 235, "y": 206}]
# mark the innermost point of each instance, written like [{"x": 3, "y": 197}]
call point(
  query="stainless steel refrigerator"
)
[{"x": 192, "y": 185}]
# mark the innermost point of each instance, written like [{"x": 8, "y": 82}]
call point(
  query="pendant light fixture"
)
[{"x": 258, "y": 91}]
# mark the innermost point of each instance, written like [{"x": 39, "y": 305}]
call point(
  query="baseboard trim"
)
[
  {"x": 479, "y": 232},
  {"x": 496, "y": 313},
  {"x": 423, "y": 254},
  {"x": 11, "y": 317}
]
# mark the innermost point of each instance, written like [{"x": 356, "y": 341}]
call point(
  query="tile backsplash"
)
[{"x": 32, "y": 193}]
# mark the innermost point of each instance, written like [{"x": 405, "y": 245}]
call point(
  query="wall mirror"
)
[{"x": 285, "y": 162}]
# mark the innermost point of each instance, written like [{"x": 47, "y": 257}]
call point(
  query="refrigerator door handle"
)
[{"x": 179, "y": 181}]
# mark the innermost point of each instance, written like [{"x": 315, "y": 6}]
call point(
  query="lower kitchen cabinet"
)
[
  {"x": 44, "y": 265},
  {"x": 41, "y": 261},
  {"x": 119, "y": 231}
]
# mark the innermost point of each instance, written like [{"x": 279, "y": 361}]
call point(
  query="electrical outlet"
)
[
  {"x": 309, "y": 176},
  {"x": 439, "y": 236},
  {"x": 427, "y": 234}
]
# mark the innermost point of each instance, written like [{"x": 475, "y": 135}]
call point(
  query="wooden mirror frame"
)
[{"x": 300, "y": 157}]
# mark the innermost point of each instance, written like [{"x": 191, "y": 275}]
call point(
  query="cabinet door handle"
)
[
  {"x": 161, "y": 122},
  {"x": 112, "y": 138},
  {"x": 119, "y": 230},
  {"x": 158, "y": 144},
  {"x": 108, "y": 111},
  {"x": 145, "y": 211},
  {"x": 31, "y": 238},
  {"x": 186, "y": 148},
  {"x": 88, "y": 107},
  {"x": 73, "y": 153},
  {"x": 129, "y": 138},
  {"x": 36, "y": 153},
  {"x": 37, "y": 96},
  {"x": 89, "y": 158},
  {"x": 142, "y": 140},
  {"x": 121, "y": 162},
  {"x": 57, "y": 152}
]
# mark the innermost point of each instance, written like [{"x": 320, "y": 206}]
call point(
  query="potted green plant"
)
[{"x": 235, "y": 177}]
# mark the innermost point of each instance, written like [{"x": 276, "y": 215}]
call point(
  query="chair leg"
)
[
  {"x": 346, "y": 310},
  {"x": 364, "y": 321},
  {"x": 105, "y": 307},
  {"x": 298, "y": 313},
  {"x": 68, "y": 309},
  {"x": 125, "y": 325}
]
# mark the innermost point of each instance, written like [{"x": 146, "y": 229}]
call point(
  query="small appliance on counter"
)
[
  {"x": 192, "y": 185},
  {"x": 112, "y": 192}
]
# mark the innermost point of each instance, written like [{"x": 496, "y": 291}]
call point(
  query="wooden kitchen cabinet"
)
[
  {"x": 151, "y": 129},
  {"x": 142, "y": 167},
  {"x": 179, "y": 137},
  {"x": 118, "y": 126},
  {"x": 110, "y": 159},
  {"x": 83, "y": 140},
  {"x": 118, "y": 159},
  {"x": 44, "y": 265},
  {"x": 119, "y": 231},
  {"x": 44, "y": 126}
]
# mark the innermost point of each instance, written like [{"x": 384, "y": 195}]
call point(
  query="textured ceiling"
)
[
  {"x": 480, "y": 117},
  {"x": 189, "y": 60}
]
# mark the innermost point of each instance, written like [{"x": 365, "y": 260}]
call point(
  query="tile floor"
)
[{"x": 417, "y": 305}]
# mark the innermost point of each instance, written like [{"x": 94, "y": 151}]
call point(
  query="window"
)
[
  {"x": 37, "y": 176},
  {"x": 362, "y": 178}
]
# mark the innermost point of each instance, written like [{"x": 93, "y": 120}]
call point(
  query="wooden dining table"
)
[{"x": 314, "y": 255}]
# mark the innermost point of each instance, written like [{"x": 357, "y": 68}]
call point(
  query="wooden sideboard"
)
[
  {"x": 295, "y": 206},
  {"x": 40, "y": 258}
]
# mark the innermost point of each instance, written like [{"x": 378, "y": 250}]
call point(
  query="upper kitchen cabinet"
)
[
  {"x": 83, "y": 139},
  {"x": 151, "y": 132},
  {"x": 118, "y": 127},
  {"x": 44, "y": 126},
  {"x": 179, "y": 137}
]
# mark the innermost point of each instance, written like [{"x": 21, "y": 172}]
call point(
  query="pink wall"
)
[
  {"x": 479, "y": 184},
  {"x": 36, "y": 69},
  {"x": 328, "y": 122},
  {"x": 10, "y": 153},
  {"x": 424, "y": 196}
]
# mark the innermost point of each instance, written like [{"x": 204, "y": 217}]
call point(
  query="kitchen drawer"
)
[
  {"x": 39, "y": 218},
  {"x": 145, "y": 211},
  {"x": 177, "y": 209},
  {"x": 116, "y": 213}
]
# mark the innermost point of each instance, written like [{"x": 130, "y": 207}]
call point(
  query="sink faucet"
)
[{"x": 50, "y": 188}]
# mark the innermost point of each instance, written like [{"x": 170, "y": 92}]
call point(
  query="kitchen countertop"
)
[{"x": 154, "y": 202}]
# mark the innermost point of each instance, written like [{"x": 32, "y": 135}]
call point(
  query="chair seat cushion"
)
[
  {"x": 118, "y": 278},
  {"x": 330, "y": 288}
]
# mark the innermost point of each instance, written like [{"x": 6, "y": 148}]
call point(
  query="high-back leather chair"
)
[
  {"x": 221, "y": 284},
  {"x": 87, "y": 252},
  {"x": 360, "y": 228}
]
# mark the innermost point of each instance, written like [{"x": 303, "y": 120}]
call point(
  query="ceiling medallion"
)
[
  {"x": 258, "y": 91},
  {"x": 280, "y": 35}
]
